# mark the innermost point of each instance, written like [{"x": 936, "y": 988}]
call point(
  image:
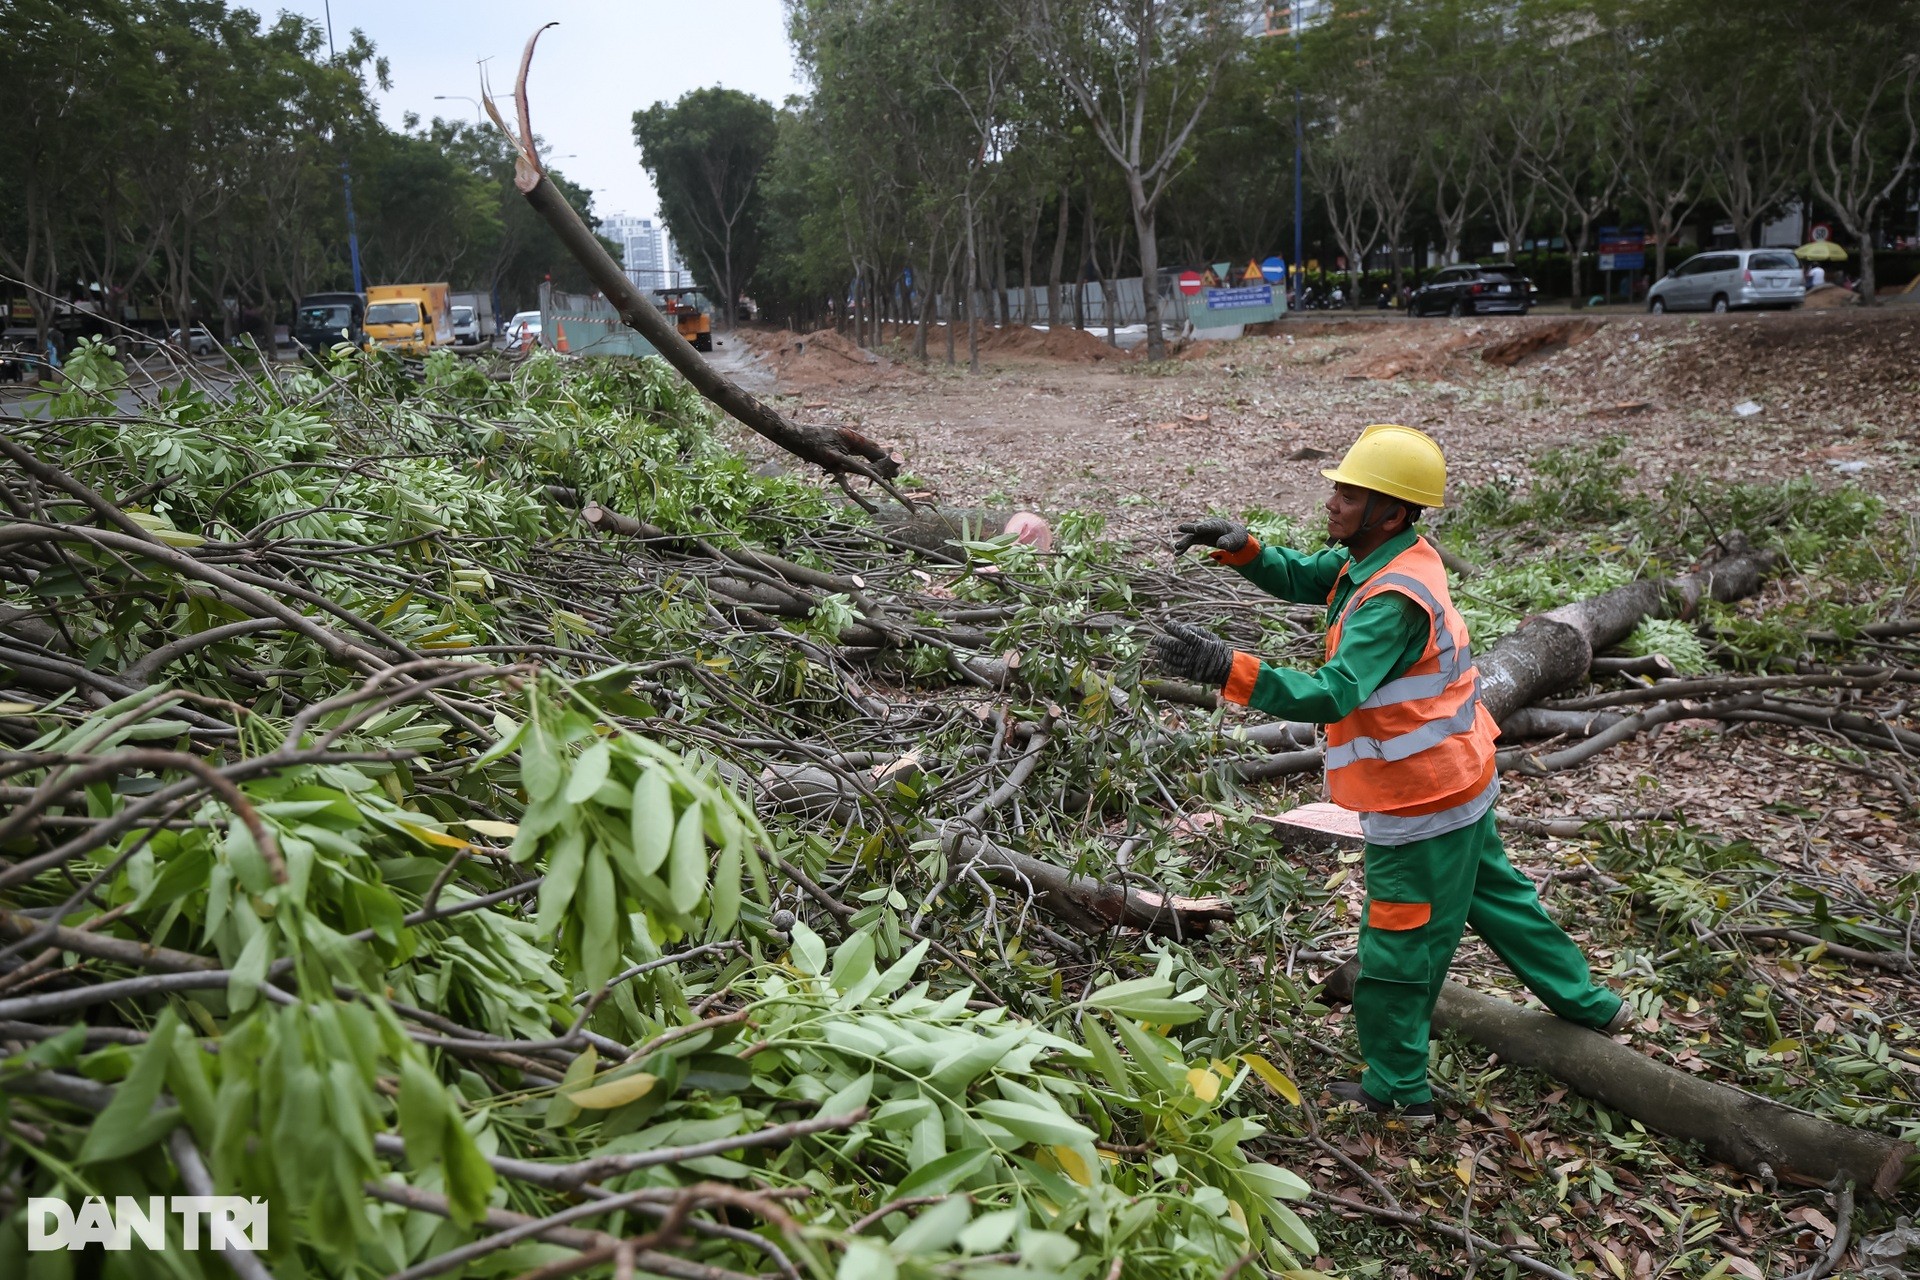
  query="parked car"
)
[
  {"x": 197, "y": 341},
  {"x": 523, "y": 330},
  {"x": 20, "y": 352},
  {"x": 1471, "y": 290},
  {"x": 1730, "y": 279}
]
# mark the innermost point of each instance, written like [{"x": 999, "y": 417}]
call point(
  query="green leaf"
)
[
  {"x": 1272, "y": 1180},
  {"x": 564, "y": 865},
  {"x": 130, "y": 1123},
  {"x": 809, "y": 953},
  {"x": 1115, "y": 995},
  {"x": 725, "y": 908},
  {"x": 652, "y": 820},
  {"x": 938, "y": 1226},
  {"x": 560, "y": 1109},
  {"x": 470, "y": 1179},
  {"x": 990, "y": 1231},
  {"x": 1150, "y": 1055},
  {"x": 599, "y": 907},
  {"x": 250, "y": 970},
  {"x": 687, "y": 870},
  {"x": 938, "y": 1177},
  {"x": 1106, "y": 1057},
  {"x": 540, "y": 768},
  {"x": 589, "y": 771},
  {"x": 852, "y": 960},
  {"x": 422, "y": 1108},
  {"x": 1033, "y": 1124},
  {"x": 614, "y": 1093},
  {"x": 849, "y": 1099},
  {"x": 1286, "y": 1225},
  {"x": 864, "y": 1261}
]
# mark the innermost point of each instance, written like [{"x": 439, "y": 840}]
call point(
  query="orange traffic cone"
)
[{"x": 560, "y": 336}]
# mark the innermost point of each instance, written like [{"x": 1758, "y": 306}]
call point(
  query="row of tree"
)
[
  {"x": 949, "y": 150},
  {"x": 185, "y": 155}
]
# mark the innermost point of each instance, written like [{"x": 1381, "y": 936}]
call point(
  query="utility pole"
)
[
  {"x": 1299, "y": 217},
  {"x": 346, "y": 182}
]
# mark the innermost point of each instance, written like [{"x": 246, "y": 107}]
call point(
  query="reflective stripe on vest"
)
[
  {"x": 1422, "y": 737},
  {"x": 1430, "y": 734},
  {"x": 1454, "y": 659},
  {"x": 1393, "y": 829}
]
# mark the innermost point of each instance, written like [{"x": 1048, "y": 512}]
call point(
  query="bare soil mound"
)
[
  {"x": 1542, "y": 339},
  {"x": 1078, "y": 346},
  {"x": 1830, "y": 295},
  {"x": 819, "y": 360},
  {"x": 1385, "y": 352}
]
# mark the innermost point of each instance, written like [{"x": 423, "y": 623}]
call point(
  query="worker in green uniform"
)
[{"x": 1409, "y": 747}]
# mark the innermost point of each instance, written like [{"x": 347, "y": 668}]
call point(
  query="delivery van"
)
[{"x": 411, "y": 318}]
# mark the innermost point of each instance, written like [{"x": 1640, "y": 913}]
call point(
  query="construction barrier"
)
[{"x": 585, "y": 324}]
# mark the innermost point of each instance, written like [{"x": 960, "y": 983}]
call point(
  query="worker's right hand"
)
[{"x": 1213, "y": 531}]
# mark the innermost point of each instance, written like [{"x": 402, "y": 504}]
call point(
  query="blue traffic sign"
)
[{"x": 1273, "y": 270}]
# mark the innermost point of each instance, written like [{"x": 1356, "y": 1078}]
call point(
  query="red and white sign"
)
[
  {"x": 1189, "y": 282},
  {"x": 1821, "y": 231}
]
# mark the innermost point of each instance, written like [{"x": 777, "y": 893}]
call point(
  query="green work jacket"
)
[{"x": 1384, "y": 637}]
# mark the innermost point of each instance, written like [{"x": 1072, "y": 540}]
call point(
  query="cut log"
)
[
  {"x": 1555, "y": 649},
  {"x": 1750, "y": 1133}
]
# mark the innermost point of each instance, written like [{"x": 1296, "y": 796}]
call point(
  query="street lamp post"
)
[
  {"x": 346, "y": 182},
  {"x": 478, "y": 120}
]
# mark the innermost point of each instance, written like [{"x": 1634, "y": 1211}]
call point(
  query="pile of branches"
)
[
  {"x": 429, "y": 796},
  {"x": 420, "y": 797}
]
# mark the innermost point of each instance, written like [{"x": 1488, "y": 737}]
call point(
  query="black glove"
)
[
  {"x": 1214, "y": 531},
  {"x": 1190, "y": 654}
]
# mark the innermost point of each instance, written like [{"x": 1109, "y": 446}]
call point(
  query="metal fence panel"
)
[{"x": 585, "y": 324}]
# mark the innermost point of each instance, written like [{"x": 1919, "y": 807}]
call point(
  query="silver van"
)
[{"x": 1729, "y": 279}]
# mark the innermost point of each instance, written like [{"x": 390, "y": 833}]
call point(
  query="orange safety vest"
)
[{"x": 1416, "y": 758}]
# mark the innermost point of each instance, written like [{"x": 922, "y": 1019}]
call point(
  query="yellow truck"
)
[{"x": 411, "y": 318}]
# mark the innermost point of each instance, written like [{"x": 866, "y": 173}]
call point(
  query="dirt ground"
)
[{"x": 1061, "y": 420}]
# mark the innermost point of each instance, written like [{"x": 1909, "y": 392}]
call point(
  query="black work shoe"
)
[{"x": 1413, "y": 1115}]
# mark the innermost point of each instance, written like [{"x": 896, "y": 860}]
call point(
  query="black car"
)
[{"x": 1470, "y": 290}]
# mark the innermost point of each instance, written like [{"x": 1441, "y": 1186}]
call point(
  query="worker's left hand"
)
[
  {"x": 1188, "y": 653},
  {"x": 1212, "y": 531}
]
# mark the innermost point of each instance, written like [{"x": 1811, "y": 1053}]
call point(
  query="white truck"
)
[{"x": 473, "y": 322}]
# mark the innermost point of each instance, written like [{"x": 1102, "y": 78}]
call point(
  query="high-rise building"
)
[
  {"x": 1291, "y": 17},
  {"x": 644, "y": 248}
]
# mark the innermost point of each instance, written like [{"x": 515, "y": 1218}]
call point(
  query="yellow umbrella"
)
[{"x": 1821, "y": 251}]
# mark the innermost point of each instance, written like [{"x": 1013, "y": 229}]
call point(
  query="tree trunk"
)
[
  {"x": 1147, "y": 233},
  {"x": 972, "y": 276},
  {"x": 1029, "y": 234},
  {"x": 1059, "y": 258},
  {"x": 1865, "y": 243},
  {"x": 1748, "y": 1132},
  {"x": 953, "y": 314},
  {"x": 929, "y": 301},
  {"x": 1000, "y": 278}
]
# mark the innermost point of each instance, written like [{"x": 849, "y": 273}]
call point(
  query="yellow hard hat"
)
[{"x": 1397, "y": 461}]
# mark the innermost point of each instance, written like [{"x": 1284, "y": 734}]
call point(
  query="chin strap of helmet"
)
[{"x": 1367, "y": 522}]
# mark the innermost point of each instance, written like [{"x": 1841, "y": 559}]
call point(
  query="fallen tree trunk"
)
[
  {"x": 1750, "y": 1133},
  {"x": 1555, "y": 649},
  {"x": 836, "y": 450}
]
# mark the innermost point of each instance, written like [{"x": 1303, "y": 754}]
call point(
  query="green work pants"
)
[{"x": 1466, "y": 879}]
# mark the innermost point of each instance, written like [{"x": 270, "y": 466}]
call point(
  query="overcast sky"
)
[{"x": 606, "y": 59}]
